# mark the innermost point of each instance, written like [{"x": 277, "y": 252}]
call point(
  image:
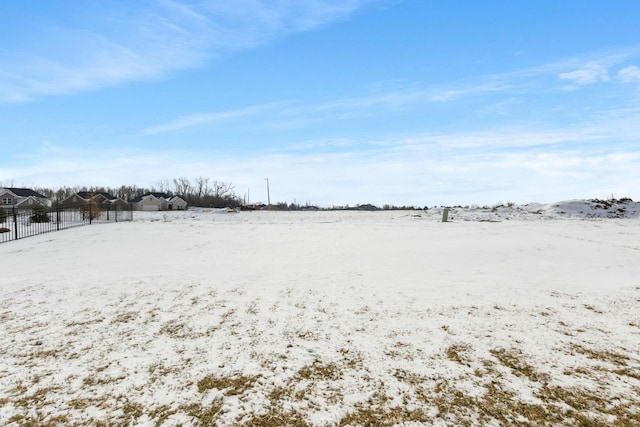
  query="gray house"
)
[
  {"x": 21, "y": 199},
  {"x": 103, "y": 199}
]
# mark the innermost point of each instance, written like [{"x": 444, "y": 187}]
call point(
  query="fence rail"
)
[{"x": 18, "y": 224}]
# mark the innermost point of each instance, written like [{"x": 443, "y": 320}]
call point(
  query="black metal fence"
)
[{"x": 18, "y": 224}]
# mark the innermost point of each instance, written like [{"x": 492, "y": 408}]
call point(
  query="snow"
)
[{"x": 504, "y": 315}]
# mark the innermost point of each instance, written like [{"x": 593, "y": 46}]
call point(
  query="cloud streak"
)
[
  {"x": 629, "y": 74},
  {"x": 592, "y": 73},
  {"x": 489, "y": 90},
  {"x": 147, "y": 43},
  {"x": 212, "y": 118}
]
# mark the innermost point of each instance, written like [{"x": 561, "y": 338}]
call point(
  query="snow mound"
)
[
  {"x": 569, "y": 209},
  {"x": 596, "y": 208}
]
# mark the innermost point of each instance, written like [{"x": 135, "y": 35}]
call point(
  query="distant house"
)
[
  {"x": 176, "y": 203},
  {"x": 103, "y": 199},
  {"x": 22, "y": 198},
  {"x": 158, "y": 202}
]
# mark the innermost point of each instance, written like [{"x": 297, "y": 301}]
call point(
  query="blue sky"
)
[{"x": 414, "y": 102}]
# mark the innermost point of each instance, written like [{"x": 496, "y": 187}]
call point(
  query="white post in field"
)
[{"x": 268, "y": 195}]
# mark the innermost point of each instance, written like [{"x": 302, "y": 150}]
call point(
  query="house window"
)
[{"x": 7, "y": 201}]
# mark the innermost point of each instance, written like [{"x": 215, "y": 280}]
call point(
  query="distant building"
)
[
  {"x": 159, "y": 202},
  {"x": 21, "y": 199},
  {"x": 104, "y": 200}
]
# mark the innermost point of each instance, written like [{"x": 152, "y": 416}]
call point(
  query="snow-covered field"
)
[{"x": 505, "y": 316}]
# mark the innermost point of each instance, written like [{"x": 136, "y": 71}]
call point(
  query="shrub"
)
[
  {"x": 91, "y": 210},
  {"x": 40, "y": 214}
]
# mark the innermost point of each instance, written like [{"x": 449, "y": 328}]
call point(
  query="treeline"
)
[{"x": 201, "y": 192}]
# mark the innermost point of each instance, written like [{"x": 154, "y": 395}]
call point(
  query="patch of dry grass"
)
[
  {"x": 425, "y": 401},
  {"x": 451, "y": 384},
  {"x": 516, "y": 361},
  {"x": 459, "y": 353},
  {"x": 205, "y": 415},
  {"x": 125, "y": 317},
  {"x": 319, "y": 371},
  {"x": 230, "y": 386},
  {"x": 601, "y": 355}
]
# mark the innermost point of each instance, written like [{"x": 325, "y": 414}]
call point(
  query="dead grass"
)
[
  {"x": 601, "y": 355},
  {"x": 175, "y": 329},
  {"x": 452, "y": 385},
  {"x": 593, "y": 308},
  {"x": 161, "y": 413},
  {"x": 125, "y": 317},
  {"x": 39, "y": 420},
  {"x": 204, "y": 415},
  {"x": 133, "y": 410},
  {"x": 88, "y": 322},
  {"x": 517, "y": 362},
  {"x": 377, "y": 416},
  {"x": 319, "y": 371},
  {"x": 230, "y": 386},
  {"x": 628, "y": 372},
  {"x": 459, "y": 353},
  {"x": 426, "y": 400},
  {"x": 408, "y": 377},
  {"x": 277, "y": 417}
]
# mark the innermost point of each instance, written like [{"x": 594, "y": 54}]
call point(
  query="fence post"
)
[
  {"x": 15, "y": 223},
  {"x": 445, "y": 215},
  {"x": 90, "y": 212},
  {"x": 57, "y": 218}
]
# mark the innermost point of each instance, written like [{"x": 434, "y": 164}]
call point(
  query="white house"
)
[
  {"x": 176, "y": 203},
  {"x": 158, "y": 202}
]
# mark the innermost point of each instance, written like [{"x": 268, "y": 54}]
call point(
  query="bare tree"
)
[
  {"x": 164, "y": 185},
  {"x": 222, "y": 189},
  {"x": 202, "y": 187},
  {"x": 182, "y": 186}
]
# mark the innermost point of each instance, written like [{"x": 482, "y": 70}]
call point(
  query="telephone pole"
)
[{"x": 268, "y": 195}]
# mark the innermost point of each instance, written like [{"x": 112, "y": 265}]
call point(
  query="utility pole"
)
[{"x": 268, "y": 195}]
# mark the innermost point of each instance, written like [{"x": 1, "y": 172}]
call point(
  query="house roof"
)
[
  {"x": 24, "y": 192},
  {"x": 89, "y": 194},
  {"x": 26, "y": 200},
  {"x": 157, "y": 195},
  {"x": 145, "y": 196}
]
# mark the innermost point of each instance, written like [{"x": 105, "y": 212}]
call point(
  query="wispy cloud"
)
[
  {"x": 500, "y": 139},
  {"x": 147, "y": 42},
  {"x": 591, "y": 73},
  {"x": 491, "y": 90},
  {"x": 265, "y": 18},
  {"x": 629, "y": 74},
  {"x": 211, "y": 118},
  {"x": 296, "y": 114},
  {"x": 579, "y": 70}
]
